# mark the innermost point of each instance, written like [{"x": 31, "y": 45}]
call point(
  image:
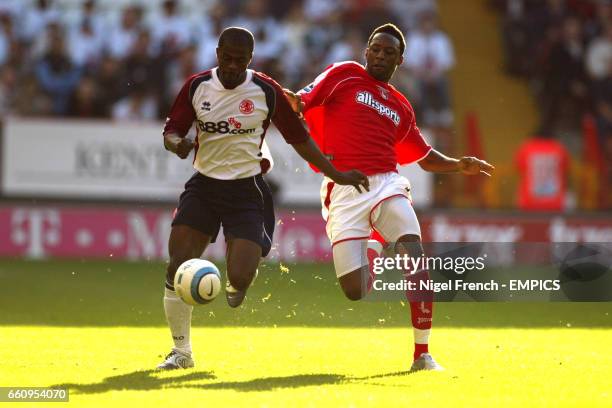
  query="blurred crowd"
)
[
  {"x": 564, "y": 48},
  {"x": 127, "y": 59}
]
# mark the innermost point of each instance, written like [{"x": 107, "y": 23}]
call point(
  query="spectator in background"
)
[
  {"x": 515, "y": 35},
  {"x": 599, "y": 54},
  {"x": 31, "y": 100},
  {"x": 110, "y": 84},
  {"x": 87, "y": 102},
  {"x": 429, "y": 56},
  {"x": 170, "y": 30},
  {"x": 213, "y": 22},
  {"x": 177, "y": 73},
  {"x": 596, "y": 26},
  {"x": 318, "y": 10},
  {"x": 543, "y": 166},
  {"x": 37, "y": 19},
  {"x": 368, "y": 14},
  {"x": 602, "y": 100},
  {"x": 142, "y": 66},
  {"x": 296, "y": 27},
  {"x": 564, "y": 94},
  {"x": 409, "y": 11},
  {"x": 55, "y": 72},
  {"x": 122, "y": 36},
  {"x": 269, "y": 36},
  {"x": 85, "y": 45},
  {"x": 6, "y": 37},
  {"x": 546, "y": 14},
  {"x": 349, "y": 48},
  {"x": 137, "y": 106},
  {"x": 8, "y": 90},
  {"x": 88, "y": 14}
]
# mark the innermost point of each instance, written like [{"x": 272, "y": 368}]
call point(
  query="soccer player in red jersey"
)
[
  {"x": 360, "y": 121},
  {"x": 232, "y": 107}
]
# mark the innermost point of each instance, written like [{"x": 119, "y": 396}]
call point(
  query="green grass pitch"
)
[{"x": 98, "y": 329}]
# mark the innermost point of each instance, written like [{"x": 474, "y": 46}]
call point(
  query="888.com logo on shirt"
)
[{"x": 231, "y": 126}]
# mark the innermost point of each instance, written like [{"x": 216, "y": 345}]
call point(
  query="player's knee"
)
[
  {"x": 410, "y": 244},
  {"x": 240, "y": 279},
  {"x": 352, "y": 285},
  {"x": 353, "y": 294}
]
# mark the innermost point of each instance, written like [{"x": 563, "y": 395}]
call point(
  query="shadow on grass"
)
[
  {"x": 141, "y": 380},
  {"x": 146, "y": 380}
]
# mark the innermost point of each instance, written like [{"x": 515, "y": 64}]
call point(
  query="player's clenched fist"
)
[
  {"x": 181, "y": 146},
  {"x": 472, "y": 166}
]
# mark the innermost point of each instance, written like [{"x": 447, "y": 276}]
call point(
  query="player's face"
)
[
  {"x": 233, "y": 61},
  {"x": 383, "y": 56}
]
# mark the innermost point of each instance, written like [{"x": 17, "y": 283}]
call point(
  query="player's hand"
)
[
  {"x": 472, "y": 166},
  {"x": 295, "y": 101},
  {"x": 181, "y": 146},
  {"x": 352, "y": 178}
]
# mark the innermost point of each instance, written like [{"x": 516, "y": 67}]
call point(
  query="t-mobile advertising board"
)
[{"x": 132, "y": 233}]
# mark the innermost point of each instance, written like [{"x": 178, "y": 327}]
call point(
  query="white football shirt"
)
[{"x": 232, "y": 123}]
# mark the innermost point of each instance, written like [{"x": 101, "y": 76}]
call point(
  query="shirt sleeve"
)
[
  {"x": 411, "y": 146},
  {"x": 286, "y": 120},
  {"x": 321, "y": 88},
  {"x": 181, "y": 114}
]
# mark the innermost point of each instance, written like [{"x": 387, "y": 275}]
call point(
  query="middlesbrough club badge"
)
[{"x": 246, "y": 106}]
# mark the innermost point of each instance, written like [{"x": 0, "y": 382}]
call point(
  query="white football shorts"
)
[{"x": 351, "y": 216}]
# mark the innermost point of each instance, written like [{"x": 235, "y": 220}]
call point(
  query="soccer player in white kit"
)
[
  {"x": 232, "y": 107},
  {"x": 360, "y": 121}
]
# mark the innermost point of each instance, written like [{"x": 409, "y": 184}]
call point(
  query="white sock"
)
[
  {"x": 421, "y": 336},
  {"x": 178, "y": 315}
]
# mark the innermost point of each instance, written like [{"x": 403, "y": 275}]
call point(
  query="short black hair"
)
[
  {"x": 390, "y": 29},
  {"x": 238, "y": 36}
]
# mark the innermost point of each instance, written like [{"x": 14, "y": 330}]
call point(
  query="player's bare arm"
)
[
  {"x": 309, "y": 151},
  {"x": 181, "y": 146},
  {"x": 437, "y": 162}
]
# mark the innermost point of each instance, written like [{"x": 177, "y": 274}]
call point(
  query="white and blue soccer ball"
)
[{"x": 197, "y": 281}]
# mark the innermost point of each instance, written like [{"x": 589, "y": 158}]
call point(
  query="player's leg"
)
[
  {"x": 243, "y": 258},
  {"x": 396, "y": 221},
  {"x": 194, "y": 226},
  {"x": 249, "y": 230},
  {"x": 346, "y": 212},
  {"x": 350, "y": 262},
  {"x": 185, "y": 243}
]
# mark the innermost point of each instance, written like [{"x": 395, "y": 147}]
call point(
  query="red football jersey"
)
[{"x": 361, "y": 123}]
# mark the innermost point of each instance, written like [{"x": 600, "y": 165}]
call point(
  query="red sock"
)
[
  {"x": 420, "y": 349},
  {"x": 421, "y": 311}
]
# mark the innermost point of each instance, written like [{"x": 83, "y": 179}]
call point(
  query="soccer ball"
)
[{"x": 197, "y": 281}]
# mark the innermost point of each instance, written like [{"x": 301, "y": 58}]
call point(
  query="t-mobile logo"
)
[{"x": 36, "y": 230}]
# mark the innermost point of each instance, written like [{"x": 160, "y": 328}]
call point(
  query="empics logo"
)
[{"x": 366, "y": 98}]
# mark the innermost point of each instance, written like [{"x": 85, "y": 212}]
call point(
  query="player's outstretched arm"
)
[
  {"x": 437, "y": 162},
  {"x": 309, "y": 151},
  {"x": 181, "y": 146}
]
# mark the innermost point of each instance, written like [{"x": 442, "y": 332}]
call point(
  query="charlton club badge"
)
[{"x": 246, "y": 106}]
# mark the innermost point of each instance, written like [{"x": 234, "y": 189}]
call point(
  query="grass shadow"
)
[
  {"x": 145, "y": 380},
  {"x": 141, "y": 380}
]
